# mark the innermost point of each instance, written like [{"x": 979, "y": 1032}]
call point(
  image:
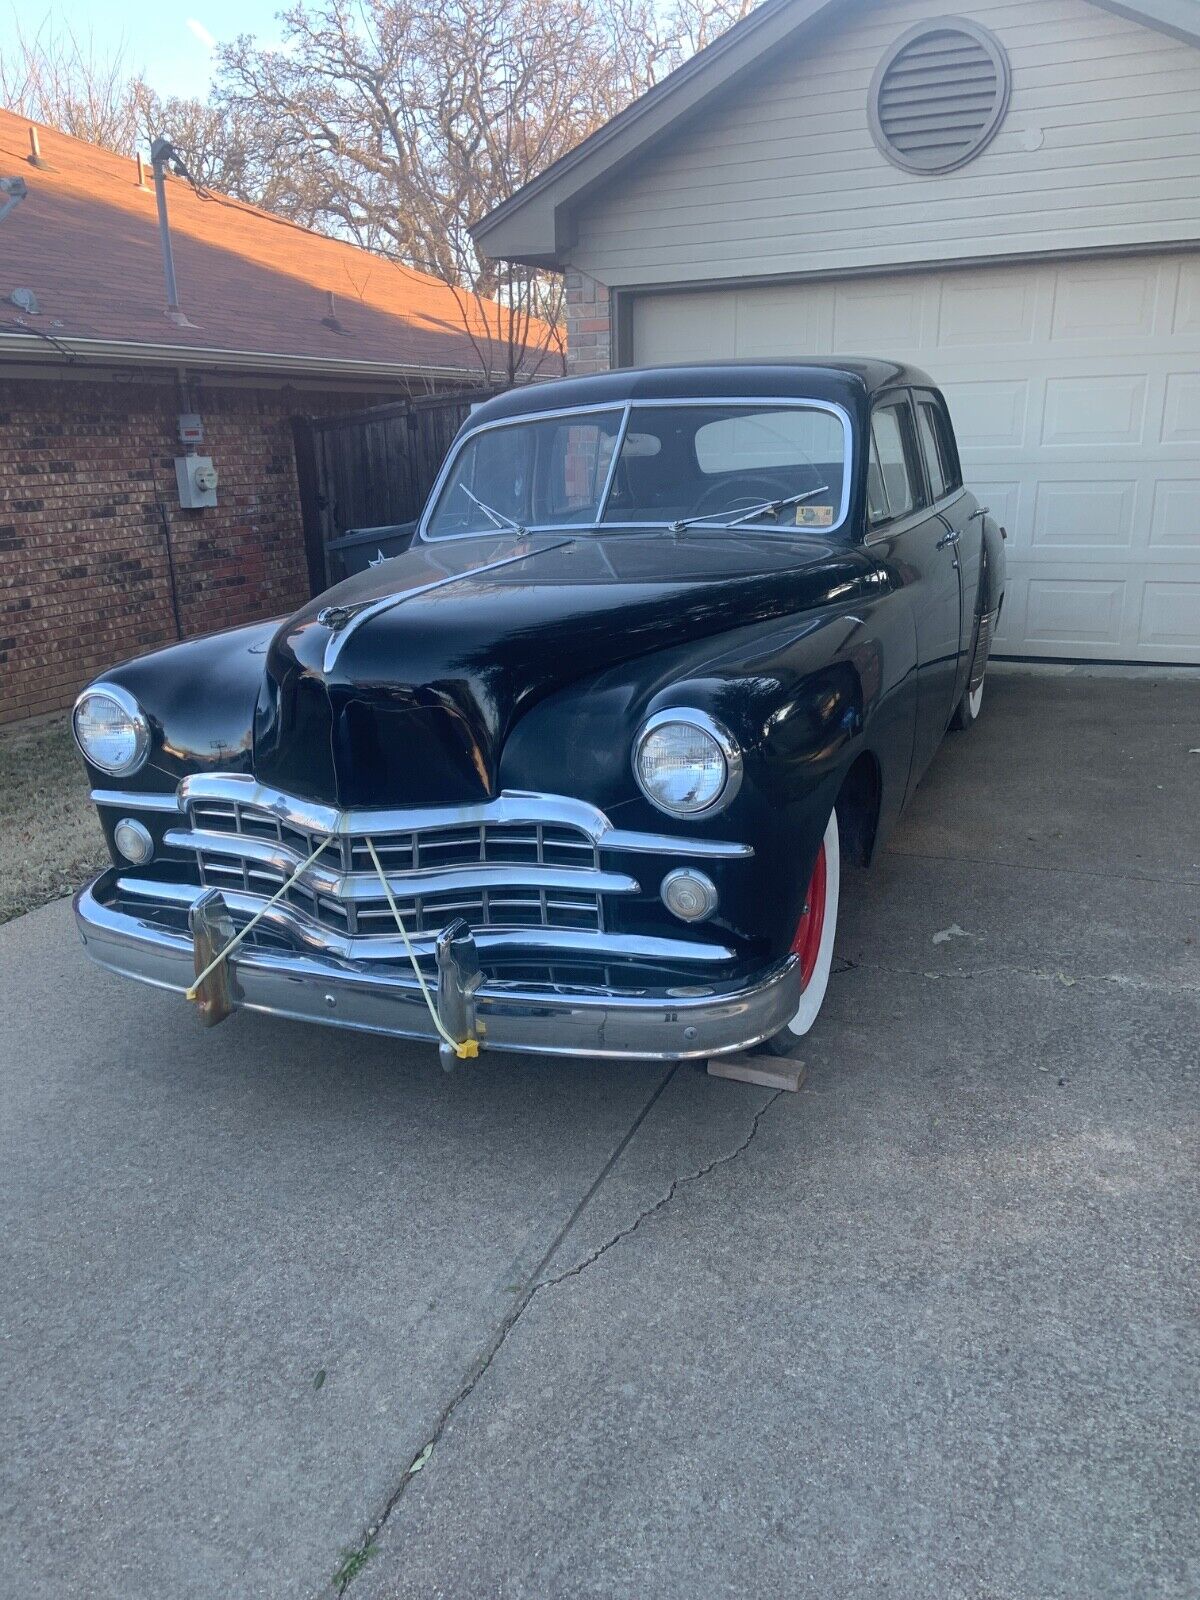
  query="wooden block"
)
[{"x": 769, "y": 1072}]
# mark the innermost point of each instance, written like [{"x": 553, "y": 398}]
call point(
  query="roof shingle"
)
[{"x": 85, "y": 240}]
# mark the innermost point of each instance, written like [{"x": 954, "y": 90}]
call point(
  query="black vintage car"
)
[{"x": 576, "y": 772}]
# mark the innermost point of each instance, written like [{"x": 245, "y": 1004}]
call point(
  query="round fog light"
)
[
  {"x": 133, "y": 840},
  {"x": 689, "y": 895}
]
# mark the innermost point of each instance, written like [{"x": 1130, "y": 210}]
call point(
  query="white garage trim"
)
[{"x": 1075, "y": 391}]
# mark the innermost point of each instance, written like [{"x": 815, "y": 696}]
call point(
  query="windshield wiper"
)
[
  {"x": 748, "y": 516},
  {"x": 497, "y": 517}
]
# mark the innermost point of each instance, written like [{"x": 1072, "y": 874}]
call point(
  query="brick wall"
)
[
  {"x": 86, "y": 479},
  {"x": 588, "y": 328}
]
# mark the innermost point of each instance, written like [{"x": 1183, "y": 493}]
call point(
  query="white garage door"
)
[{"x": 1075, "y": 392}]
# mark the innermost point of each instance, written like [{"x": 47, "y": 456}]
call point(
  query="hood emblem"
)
[
  {"x": 377, "y": 560},
  {"x": 335, "y": 617}
]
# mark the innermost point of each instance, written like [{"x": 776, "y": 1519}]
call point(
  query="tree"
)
[
  {"x": 394, "y": 124},
  {"x": 406, "y": 120},
  {"x": 54, "y": 77}
]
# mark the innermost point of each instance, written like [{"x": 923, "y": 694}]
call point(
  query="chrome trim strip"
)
[
  {"x": 425, "y": 881},
  {"x": 512, "y": 806},
  {"x": 338, "y": 640},
  {"x": 128, "y": 800},
  {"x": 658, "y": 1025},
  {"x": 586, "y": 529},
  {"x": 371, "y": 948}
]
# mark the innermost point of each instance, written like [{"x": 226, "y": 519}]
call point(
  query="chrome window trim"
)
[
  {"x": 691, "y": 402},
  {"x": 132, "y": 710},
  {"x": 728, "y": 745},
  {"x": 512, "y": 805}
]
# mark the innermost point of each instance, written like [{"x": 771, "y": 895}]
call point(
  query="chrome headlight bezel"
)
[
  {"x": 722, "y": 740},
  {"x": 137, "y": 717}
]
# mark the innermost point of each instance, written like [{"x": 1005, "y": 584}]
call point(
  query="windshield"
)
[{"x": 762, "y": 465}]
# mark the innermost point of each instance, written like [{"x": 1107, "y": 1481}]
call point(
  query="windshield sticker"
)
[{"x": 814, "y": 516}]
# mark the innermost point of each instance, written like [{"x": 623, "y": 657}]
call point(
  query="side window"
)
[
  {"x": 944, "y": 435},
  {"x": 934, "y": 466},
  {"x": 891, "y": 464},
  {"x": 576, "y": 458}
]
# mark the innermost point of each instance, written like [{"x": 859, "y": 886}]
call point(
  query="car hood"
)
[{"x": 401, "y": 685}]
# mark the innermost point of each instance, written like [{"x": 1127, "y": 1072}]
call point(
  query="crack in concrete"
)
[
  {"x": 664, "y": 1200},
  {"x": 356, "y": 1559}
]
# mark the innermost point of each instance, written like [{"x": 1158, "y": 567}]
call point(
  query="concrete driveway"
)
[{"x": 924, "y": 1329}]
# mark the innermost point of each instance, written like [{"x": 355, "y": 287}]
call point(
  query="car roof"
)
[{"x": 847, "y": 380}]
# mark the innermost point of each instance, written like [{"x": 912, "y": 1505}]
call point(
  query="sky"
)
[{"x": 172, "y": 44}]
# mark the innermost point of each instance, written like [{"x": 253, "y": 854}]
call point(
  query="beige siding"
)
[{"x": 1100, "y": 148}]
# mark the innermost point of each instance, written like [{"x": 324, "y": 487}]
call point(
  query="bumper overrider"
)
[{"x": 152, "y": 930}]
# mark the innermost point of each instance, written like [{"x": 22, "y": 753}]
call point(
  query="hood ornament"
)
[{"x": 335, "y": 617}]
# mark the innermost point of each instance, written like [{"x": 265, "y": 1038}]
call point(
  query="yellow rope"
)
[
  {"x": 464, "y": 1049},
  {"x": 256, "y": 918}
]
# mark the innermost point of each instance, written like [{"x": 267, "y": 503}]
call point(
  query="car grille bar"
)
[
  {"x": 503, "y": 874},
  {"x": 530, "y": 873}
]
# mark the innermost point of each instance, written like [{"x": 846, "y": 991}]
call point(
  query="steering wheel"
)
[{"x": 753, "y": 489}]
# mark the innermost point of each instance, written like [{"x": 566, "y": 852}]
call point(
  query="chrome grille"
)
[{"x": 503, "y": 903}]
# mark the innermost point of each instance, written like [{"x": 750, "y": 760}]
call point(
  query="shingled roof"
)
[{"x": 254, "y": 289}]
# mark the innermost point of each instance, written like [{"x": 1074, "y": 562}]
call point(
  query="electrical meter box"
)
[{"x": 197, "y": 480}]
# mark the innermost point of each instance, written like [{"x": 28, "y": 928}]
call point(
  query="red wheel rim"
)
[{"x": 807, "y": 942}]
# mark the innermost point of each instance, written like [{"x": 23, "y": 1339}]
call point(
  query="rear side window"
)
[
  {"x": 890, "y": 490},
  {"x": 929, "y": 448},
  {"x": 933, "y": 419}
]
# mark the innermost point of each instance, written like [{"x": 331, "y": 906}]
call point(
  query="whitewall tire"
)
[{"x": 813, "y": 942}]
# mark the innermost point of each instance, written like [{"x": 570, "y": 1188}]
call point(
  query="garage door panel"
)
[
  {"x": 975, "y": 314},
  {"x": 1074, "y": 611},
  {"x": 1085, "y": 514},
  {"x": 1175, "y": 517},
  {"x": 1169, "y": 613},
  {"x": 1181, "y": 416},
  {"x": 1075, "y": 393},
  {"x": 989, "y": 414},
  {"x": 878, "y": 315},
  {"x": 1098, "y": 410},
  {"x": 1187, "y": 301},
  {"x": 1105, "y": 302}
]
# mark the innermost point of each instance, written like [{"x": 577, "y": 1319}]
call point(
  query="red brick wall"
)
[
  {"x": 84, "y": 578},
  {"x": 588, "y": 327}
]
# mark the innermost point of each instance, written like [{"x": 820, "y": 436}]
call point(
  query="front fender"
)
[
  {"x": 199, "y": 699},
  {"x": 803, "y": 699}
]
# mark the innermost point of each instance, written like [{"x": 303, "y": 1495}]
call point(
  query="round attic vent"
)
[{"x": 939, "y": 95}]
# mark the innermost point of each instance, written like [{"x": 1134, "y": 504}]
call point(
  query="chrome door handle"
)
[{"x": 948, "y": 538}]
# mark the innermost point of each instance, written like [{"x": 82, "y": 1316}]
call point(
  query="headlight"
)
[
  {"x": 111, "y": 730},
  {"x": 686, "y": 764}
]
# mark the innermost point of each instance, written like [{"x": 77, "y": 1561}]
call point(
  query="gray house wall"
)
[{"x": 1100, "y": 149}]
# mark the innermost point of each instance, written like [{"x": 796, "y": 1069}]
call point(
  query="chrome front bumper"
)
[{"x": 699, "y": 1020}]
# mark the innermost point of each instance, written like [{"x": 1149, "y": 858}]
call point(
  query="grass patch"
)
[
  {"x": 49, "y": 832},
  {"x": 352, "y": 1563}
]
